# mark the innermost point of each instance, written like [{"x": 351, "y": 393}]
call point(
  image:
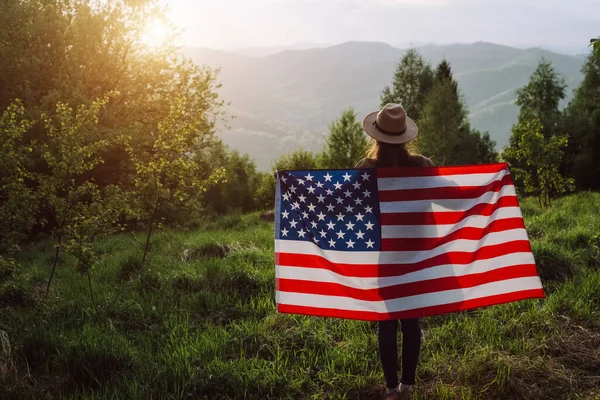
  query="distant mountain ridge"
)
[{"x": 285, "y": 101}]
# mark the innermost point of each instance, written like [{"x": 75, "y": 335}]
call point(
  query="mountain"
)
[{"x": 285, "y": 101}]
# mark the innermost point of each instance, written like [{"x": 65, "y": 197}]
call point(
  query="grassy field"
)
[{"x": 199, "y": 321}]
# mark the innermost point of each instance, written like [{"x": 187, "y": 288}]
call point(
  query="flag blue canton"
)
[{"x": 336, "y": 210}]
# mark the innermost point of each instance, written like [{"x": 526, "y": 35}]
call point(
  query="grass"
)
[{"x": 199, "y": 321}]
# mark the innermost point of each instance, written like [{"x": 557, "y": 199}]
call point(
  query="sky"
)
[{"x": 559, "y": 25}]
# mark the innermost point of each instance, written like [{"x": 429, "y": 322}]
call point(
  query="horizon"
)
[
  {"x": 233, "y": 25},
  {"x": 300, "y": 46}
]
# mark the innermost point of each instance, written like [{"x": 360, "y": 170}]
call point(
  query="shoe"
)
[
  {"x": 406, "y": 394},
  {"x": 395, "y": 395}
]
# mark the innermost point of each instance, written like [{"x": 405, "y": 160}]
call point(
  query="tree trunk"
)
[
  {"x": 147, "y": 242},
  {"x": 53, "y": 266}
]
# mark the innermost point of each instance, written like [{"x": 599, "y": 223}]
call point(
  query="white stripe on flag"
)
[
  {"x": 397, "y": 257},
  {"x": 445, "y": 204},
  {"x": 410, "y": 302},
  {"x": 441, "y": 271},
  {"x": 440, "y": 181},
  {"x": 437, "y": 231}
]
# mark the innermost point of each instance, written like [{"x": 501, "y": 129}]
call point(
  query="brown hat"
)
[{"x": 390, "y": 125}]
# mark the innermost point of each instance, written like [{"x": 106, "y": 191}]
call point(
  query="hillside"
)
[
  {"x": 286, "y": 100},
  {"x": 199, "y": 322}
]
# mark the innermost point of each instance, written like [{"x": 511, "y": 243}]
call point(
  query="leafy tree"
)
[
  {"x": 582, "y": 123},
  {"x": 237, "y": 191},
  {"x": 539, "y": 99},
  {"x": 166, "y": 172},
  {"x": 74, "y": 51},
  {"x": 17, "y": 200},
  {"x": 485, "y": 147},
  {"x": 539, "y": 160},
  {"x": 345, "y": 143},
  {"x": 297, "y": 160},
  {"x": 595, "y": 43},
  {"x": 412, "y": 82},
  {"x": 79, "y": 211}
]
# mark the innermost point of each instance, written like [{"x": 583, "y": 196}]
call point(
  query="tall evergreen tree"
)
[
  {"x": 346, "y": 142},
  {"x": 582, "y": 124},
  {"x": 412, "y": 81},
  {"x": 539, "y": 99},
  {"x": 446, "y": 134}
]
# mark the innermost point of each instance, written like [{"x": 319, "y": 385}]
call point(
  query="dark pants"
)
[{"x": 388, "y": 350}]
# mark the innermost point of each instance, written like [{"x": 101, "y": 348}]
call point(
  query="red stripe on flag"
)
[
  {"x": 447, "y": 217},
  {"x": 406, "y": 289},
  {"x": 383, "y": 270},
  {"x": 439, "y": 171},
  {"x": 443, "y": 193},
  {"x": 466, "y": 233},
  {"x": 414, "y": 313}
]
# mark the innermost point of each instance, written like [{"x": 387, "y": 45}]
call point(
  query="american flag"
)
[{"x": 393, "y": 243}]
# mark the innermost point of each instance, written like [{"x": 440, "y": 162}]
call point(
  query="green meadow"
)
[{"x": 199, "y": 321}]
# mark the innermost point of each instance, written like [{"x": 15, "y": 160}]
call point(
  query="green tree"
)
[
  {"x": 74, "y": 51},
  {"x": 446, "y": 134},
  {"x": 17, "y": 200},
  {"x": 167, "y": 174},
  {"x": 485, "y": 147},
  {"x": 539, "y": 99},
  {"x": 539, "y": 159},
  {"x": 237, "y": 191},
  {"x": 413, "y": 79},
  {"x": 582, "y": 123},
  {"x": 345, "y": 143},
  {"x": 78, "y": 210},
  {"x": 444, "y": 127}
]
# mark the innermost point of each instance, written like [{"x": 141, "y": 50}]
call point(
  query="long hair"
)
[{"x": 389, "y": 155}]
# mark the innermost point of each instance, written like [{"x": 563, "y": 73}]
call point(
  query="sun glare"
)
[{"x": 156, "y": 34}]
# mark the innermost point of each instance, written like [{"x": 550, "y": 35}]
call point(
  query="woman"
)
[{"x": 391, "y": 129}]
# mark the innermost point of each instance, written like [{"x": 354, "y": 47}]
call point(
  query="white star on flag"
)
[
  {"x": 285, "y": 214},
  {"x": 366, "y": 193},
  {"x": 286, "y": 196},
  {"x": 340, "y": 216},
  {"x": 328, "y": 177},
  {"x": 319, "y": 185},
  {"x": 350, "y": 226},
  {"x": 331, "y": 243},
  {"x": 301, "y": 233},
  {"x": 321, "y": 216},
  {"x": 337, "y": 185},
  {"x": 340, "y": 234},
  {"x": 369, "y": 243},
  {"x": 360, "y": 235},
  {"x": 309, "y": 177},
  {"x": 356, "y": 185},
  {"x": 284, "y": 232},
  {"x": 321, "y": 198},
  {"x": 348, "y": 193},
  {"x": 369, "y": 226},
  {"x": 368, "y": 209},
  {"x": 330, "y": 226},
  {"x": 349, "y": 209},
  {"x": 293, "y": 223},
  {"x": 350, "y": 243},
  {"x": 330, "y": 207},
  {"x": 359, "y": 217},
  {"x": 346, "y": 177},
  {"x": 302, "y": 198},
  {"x": 311, "y": 207},
  {"x": 311, "y": 190},
  {"x": 322, "y": 233},
  {"x": 365, "y": 176}
]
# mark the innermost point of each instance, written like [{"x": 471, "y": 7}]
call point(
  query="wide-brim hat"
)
[{"x": 390, "y": 125}]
